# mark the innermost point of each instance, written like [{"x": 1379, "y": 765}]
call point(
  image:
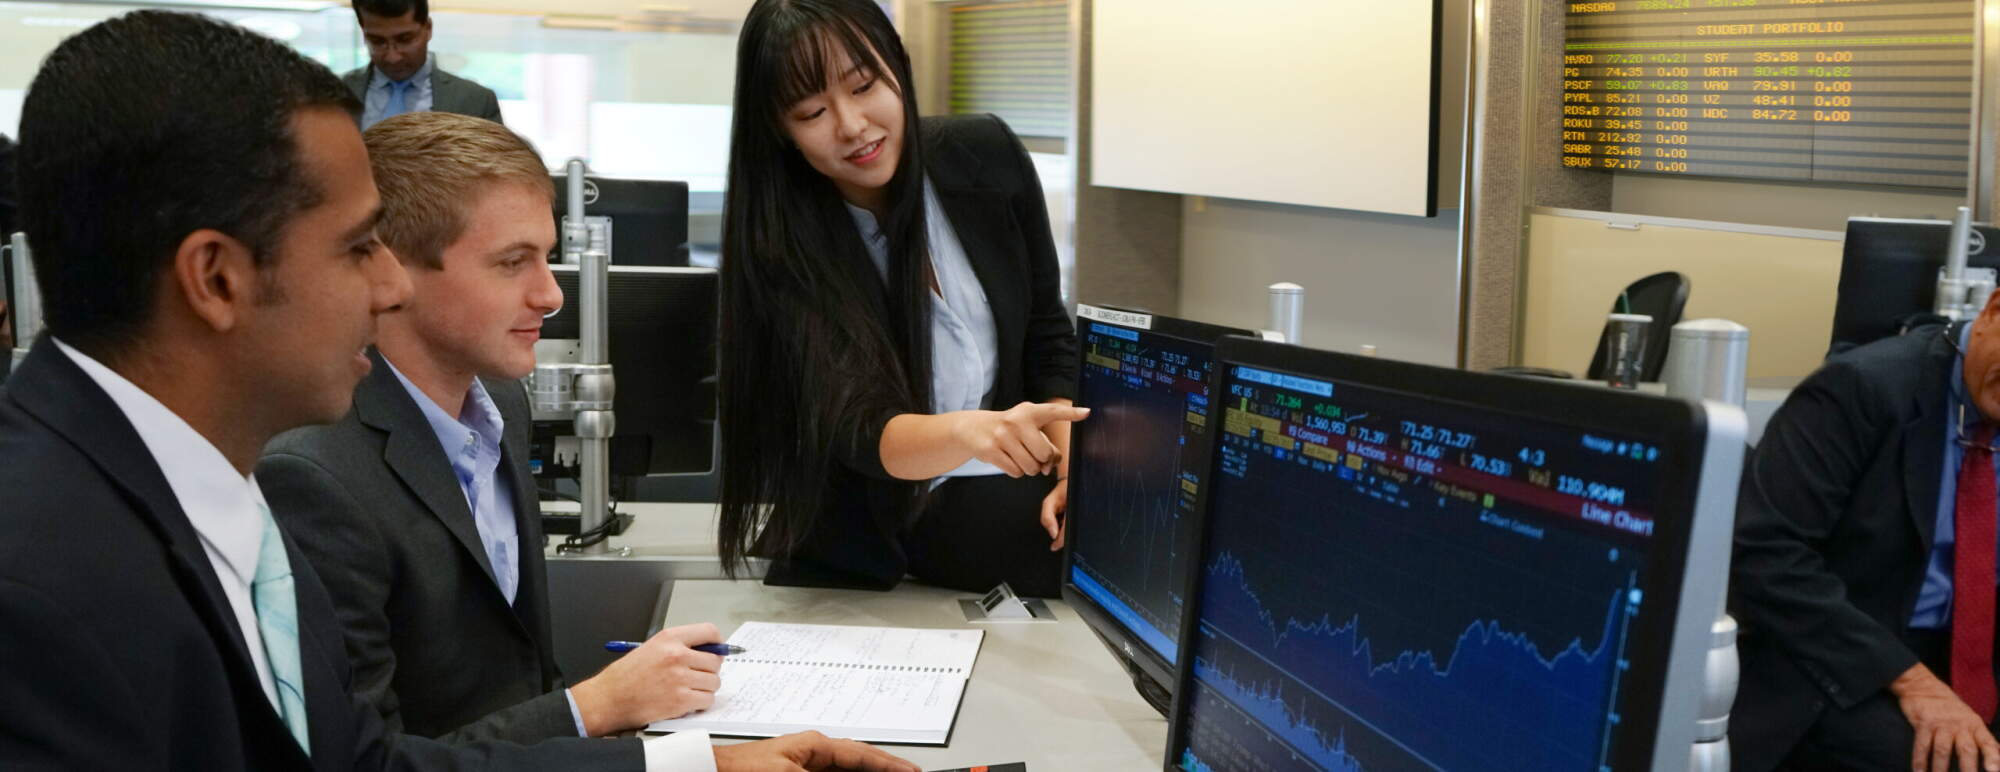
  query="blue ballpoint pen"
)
[{"x": 718, "y": 649}]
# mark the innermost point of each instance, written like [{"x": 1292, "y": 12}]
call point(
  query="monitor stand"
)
[{"x": 1149, "y": 688}]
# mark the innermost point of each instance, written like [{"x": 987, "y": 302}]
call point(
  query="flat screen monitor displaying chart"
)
[
  {"x": 1409, "y": 567},
  {"x": 1134, "y": 470}
]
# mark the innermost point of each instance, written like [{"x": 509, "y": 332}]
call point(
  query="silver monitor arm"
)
[
  {"x": 25, "y": 305},
  {"x": 1962, "y": 291},
  {"x": 585, "y": 389}
]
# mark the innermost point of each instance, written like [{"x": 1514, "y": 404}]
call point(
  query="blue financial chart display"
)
[
  {"x": 1142, "y": 462},
  {"x": 1392, "y": 583}
]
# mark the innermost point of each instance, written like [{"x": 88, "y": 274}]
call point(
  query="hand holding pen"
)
[{"x": 671, "y": 674}]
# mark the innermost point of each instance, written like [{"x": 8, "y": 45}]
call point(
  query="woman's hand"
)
[
  {"x": 1053, "y": 507},
  {"x": 1012, "y": 440}
]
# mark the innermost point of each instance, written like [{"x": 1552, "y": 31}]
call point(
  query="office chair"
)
[{"x": 1662, "y": 296}]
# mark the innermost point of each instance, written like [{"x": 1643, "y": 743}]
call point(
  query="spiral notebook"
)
[{"x": 875, "y": 684}]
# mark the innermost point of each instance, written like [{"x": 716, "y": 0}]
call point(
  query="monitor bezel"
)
[
  {"x": 1694, "y": 516},
  {"x": 1116, "y": 636}
]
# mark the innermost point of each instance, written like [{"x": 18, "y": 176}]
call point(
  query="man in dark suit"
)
[
  {"x": 1868, "y": 623},
  {"x": 418, "y": 508},
  {"x": 402, "y": 76},
  {"x": 203, "y": 216}
]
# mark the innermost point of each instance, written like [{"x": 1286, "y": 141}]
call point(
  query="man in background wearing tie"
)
[
  {"x": 1864, "y": 567},
  {"x": 402, "y": 76}
]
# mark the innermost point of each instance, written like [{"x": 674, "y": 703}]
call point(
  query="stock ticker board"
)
[{"x": 1853, "y": 91}]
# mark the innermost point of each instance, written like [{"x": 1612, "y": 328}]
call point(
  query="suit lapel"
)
[
  {"x": 322, "y": 663},
  {"x": 529, "y": 594},
  {"x": 53, "y": 388},
  {"x": 978, "y": 214},
  {"x": 357, "y": 82},
  {"x": 444, "y": 90},
  {"x": 1923, "y": 445},
  {"x": 411, "y": 450}
]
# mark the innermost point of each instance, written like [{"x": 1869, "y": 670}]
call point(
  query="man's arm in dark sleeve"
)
[{"x": 1797, "y": 485}]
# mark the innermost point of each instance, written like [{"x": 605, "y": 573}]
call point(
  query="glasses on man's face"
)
[{"x": 404, "y": 43}]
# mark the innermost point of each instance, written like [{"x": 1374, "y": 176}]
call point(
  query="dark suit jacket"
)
[
  {"x": 375, "y": 505},
  {"x": 1834, "y": 525},
  {"x": 449, "y": 93},
  {"x": 992, "y": 196},
  {"x": 118, "y": 649}
]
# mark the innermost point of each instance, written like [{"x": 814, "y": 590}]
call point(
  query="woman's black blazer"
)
[{"x": 993, "y": 198}]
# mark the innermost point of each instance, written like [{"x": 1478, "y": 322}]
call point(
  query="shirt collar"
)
[
  {"x": 864, "y": 221},
  {"x": 872, "y": 236},
  {"x": 478, "y": 414},
  {"x": 422, "y": 75},
  {"x": 224, "y": 506}
]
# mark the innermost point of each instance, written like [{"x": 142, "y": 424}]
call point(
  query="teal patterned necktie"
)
[{"x": 276, "y": 604}]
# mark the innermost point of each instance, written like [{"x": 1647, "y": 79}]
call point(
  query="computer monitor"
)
[
  {"x": 1133, "y": 472},
  {"x": 649, "y": 218},
  {"x": 1888, "y": 274},
  {"x": 662, "y": 327},
  {"x": 1412, "y": 567}
]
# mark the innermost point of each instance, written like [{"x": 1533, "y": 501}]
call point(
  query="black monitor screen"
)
[
  {"x": 1139, "y": 460},
  {"x": 661, "y": 323},
  {"x": 1391, "y": 580},
  {"x": 1889, "y": 272},
  {"x": 649, "y": 218}
]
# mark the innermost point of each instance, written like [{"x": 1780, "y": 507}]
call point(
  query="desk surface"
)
[
  {"x": 663, "y": 530},
  {"x": 1045, "y": 693}
]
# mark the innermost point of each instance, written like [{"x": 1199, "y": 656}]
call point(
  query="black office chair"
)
[{"x": 1662, "y": 296}]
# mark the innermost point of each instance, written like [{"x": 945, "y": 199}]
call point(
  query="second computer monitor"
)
[
  {"x": 1411, "y": 567},
  {"x": 1134, "y": 468},
  {"x": 649, "y": 218},
  {"x": 662, "y": 330},
  {"x": 1889, "y": 271}
]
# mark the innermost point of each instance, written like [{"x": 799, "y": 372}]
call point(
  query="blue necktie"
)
[
  {"x": 397, "y": 106},
  {"x": 276, "y": 604}
]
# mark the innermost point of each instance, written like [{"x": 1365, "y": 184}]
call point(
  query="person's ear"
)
[{"x": 215, "y": 275}]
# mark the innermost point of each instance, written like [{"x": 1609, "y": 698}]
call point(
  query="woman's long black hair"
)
[{"x": 806, "y": 359}]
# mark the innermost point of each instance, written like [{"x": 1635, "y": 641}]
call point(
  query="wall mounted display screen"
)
[
  {"x": 1864, "y": 91},
  {"x": 1327, "y": 103}
]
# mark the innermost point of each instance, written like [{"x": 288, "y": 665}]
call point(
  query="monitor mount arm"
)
[
  {"x": 585, "y": 389},
  {"x": 26, "y": 306},
  {"x": 1962, "y": 291}
]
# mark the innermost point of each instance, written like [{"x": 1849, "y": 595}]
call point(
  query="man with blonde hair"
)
[{"x": 418, "y": 507}]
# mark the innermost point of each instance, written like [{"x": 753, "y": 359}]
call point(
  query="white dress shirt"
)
[
  {"x": 224, "y": 505},
  {"x": 226, "y": 509}
]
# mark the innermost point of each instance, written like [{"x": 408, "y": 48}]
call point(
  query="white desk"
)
[
  {"x": 1045, "y": 693},
  {"x": 659, "y": 530}
]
